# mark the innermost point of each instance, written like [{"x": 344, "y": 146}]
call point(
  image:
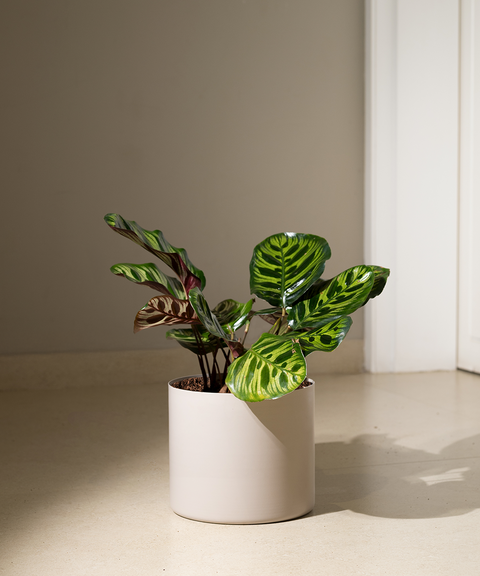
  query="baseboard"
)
[
  {"x": 63, "y": 370},
  {"x": 346, "y": 359}
]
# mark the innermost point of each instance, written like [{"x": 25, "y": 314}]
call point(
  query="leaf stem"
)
[
  {"x": 247, "y": 327},
  {"x": 202, "y": 357},
  {"x": 225, "y": 368},
  {"x": 202, "y": 367}
]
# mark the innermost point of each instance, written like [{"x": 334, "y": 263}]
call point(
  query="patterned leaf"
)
[
  {"x": 186, "y": 337},
  {"x": 231, "y": 314},
  {"x": 319, "y": 286},
  {"x": 154, "y": 241},
  {"x": 285, "y": 265},
  {"x": 206, "y": 316},
  {"x": 162, "y": 310},
  {"x": 150, "y": 275},
  {"x": 272, "y": 367},
  {"x": 345, "y": 293},
  {"x": 380, "y": 279},
  {"x": 326, "y": 338}
]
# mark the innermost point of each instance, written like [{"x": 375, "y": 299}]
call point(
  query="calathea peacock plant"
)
[{"x": 307, "y": 313}]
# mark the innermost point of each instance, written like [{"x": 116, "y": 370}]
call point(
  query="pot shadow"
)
[{"x": 374, "y": 476}]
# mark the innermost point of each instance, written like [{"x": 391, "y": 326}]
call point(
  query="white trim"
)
[
  {"x": 411, "y": 182},
  {"x": 469, "y": 208},
  {"x": 380, "y": 179}
]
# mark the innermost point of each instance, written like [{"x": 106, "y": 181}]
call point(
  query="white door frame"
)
[
  {"x": 469, "y": 205},
  {"x": 411, "y": 182}
]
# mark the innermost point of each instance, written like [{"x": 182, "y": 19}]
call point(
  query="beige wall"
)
[{"x": 218, "y": 121}]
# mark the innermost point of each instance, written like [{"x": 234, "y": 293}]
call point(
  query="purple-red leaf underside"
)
[
  {"x": 236, "y": 348},
  {"x": 165, "y": 310}
]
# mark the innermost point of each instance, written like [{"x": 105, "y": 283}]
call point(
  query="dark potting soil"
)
[
  {"x": 305, "y": 384},
  {"x": 196, "y": 384}
]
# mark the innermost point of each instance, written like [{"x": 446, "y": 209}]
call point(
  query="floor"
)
[{"x": 84, "y": 486}]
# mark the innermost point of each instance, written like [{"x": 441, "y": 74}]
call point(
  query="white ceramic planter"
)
[{"x": 236, "y": 462}]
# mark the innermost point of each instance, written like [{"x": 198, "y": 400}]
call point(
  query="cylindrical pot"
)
[{"x": 236, "y": 462}]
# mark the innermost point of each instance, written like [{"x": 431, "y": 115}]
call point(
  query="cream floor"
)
[{"x": 84, "y": 486}]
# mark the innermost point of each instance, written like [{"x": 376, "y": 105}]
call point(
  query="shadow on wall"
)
[{"x": 376, "y": 477}]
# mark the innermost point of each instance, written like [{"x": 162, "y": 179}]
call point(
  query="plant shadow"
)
[{"x": 374, "y": 476}]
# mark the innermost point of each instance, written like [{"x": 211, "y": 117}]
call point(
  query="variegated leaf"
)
[
  {"x": 319, "y": 286},
  {"x": 162, "y": 310},
  {"x": 326, "y": 338},
  {"x": 285, "y": 265},
  {"x": 272, "y": 367},
  {"x": 380, "y": 279},
  {"x": 154, "y": 241},
  {"x": 150, "y": 275},
  {"x": 206, "y": 316},
  {"x": 345, "y": 293},
  {"x": 231, "y": 314},
  {"x": 186, "y": 337}
]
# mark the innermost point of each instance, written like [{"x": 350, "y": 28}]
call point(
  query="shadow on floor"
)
[
  {"x": 374, "y": 476},
  {"x": 62, "y": 448}
]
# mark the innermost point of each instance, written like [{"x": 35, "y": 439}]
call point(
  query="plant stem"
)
[
  {"x": 202, "y": 367},
  {"x": 225, "y": 355},
  {"x": 247, "y": 326},
  {"x": 202, "y": 357},
  {"x": 217, "y": 369}
]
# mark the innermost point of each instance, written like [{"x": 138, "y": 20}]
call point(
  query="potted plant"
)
[{"x": 242, "y": 450}]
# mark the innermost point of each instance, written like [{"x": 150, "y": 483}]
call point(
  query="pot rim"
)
[{"x": 170, "y": 384}]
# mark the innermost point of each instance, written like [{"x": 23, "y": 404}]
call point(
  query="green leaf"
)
[
  {"x": 162, "y": 310},
  {"x": 154, "y": 241},
  {"x": 319, "y": 286},
  {"x": 345, "y": 293},
  {"x": 380, "y": 279},
  {"x": 272, "y": 367},
  {"x": 231, "y": 314},
  {"x": 326, "y": 338},
  {"x": 150, "y": 275},
  {"x": 381, "y": 275},
  {"x": 206, "y": 316},
  {"x": 186, "y": 337},
  {"x": 284, "y": 266}
]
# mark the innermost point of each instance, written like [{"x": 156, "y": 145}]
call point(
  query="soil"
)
[{"x": 196, "y": 384}]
